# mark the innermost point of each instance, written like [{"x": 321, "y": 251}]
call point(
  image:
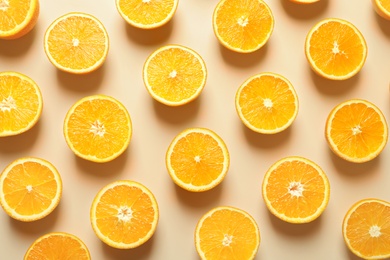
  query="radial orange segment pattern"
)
[
  {"x": 336, "y": 49},
  {"x": 20, "y": 103},
  {"x": 174, "y": 74},
  {"x": 291, "y": 206},
  {"x": 211, "y": 163},
  {"x": 385, "y": 4},
  {"x": 143, "y": 214},
  {"x": 257, "y": 92},
  {"x": 18, "y": 197},
  {"x": 244, "y": 25},
  {"x": 237, "y": 226},
  {"x": 77, "y": 42},
  {"x": 146, "y": 13},
  {"x": 15, "y": 15},
  {"x": 371, "y": 128},
  {"x": 96, "y": 114},
  {"x": 368, "y": 229}
]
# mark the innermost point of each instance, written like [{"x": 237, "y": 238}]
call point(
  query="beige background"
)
[{"x": 155, "y": 125}]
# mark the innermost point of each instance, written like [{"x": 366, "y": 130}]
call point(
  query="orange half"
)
[{"x": 382, "y": 7}]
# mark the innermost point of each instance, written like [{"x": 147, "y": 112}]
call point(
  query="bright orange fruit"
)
[
  {"x": 21, "y": 103},
  {"x": 30, "y": 189},
  {"x": 124, "y": 214},
  {"x": 335, "y": 49},
  {"x": 243, "y": 26},
  {"x": 58, "y": 246},
  {"x": 197, "y": 159},
  {"x": 17, "y": 18},
  {"x": 98, "y": 128},
  {"x": 174, "y": 75},
  {"x": 267, "y": 103},
  {"x": 76, "y": 43},
  {"x": 382, "y": 7},
  {"x": 366, "y": 229},
  {"x": 296, "y": 190},
  {"x": 147, "y": 14},
  {"x": 227, "y": 233},
  {"x": 356, "y": 130}
]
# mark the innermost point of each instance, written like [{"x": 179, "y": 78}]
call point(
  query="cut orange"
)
[
  {"x": 124, "y": 214},
  {"x": 17, "y": 18},
  {"x": 296, "y": 190},
  {"x": 356, "y": 130},
  {"x": 243, "y": 26},
  {"x": 267, "y": 103},
  {"x": 20, "y": 103},
  {"x": 98, "y": 128},
  {"x": 227, "y": 233},
  {"x": 174, "y": 75},
  {"x": 147, "y": 14},
  {"x": 335, "y": 49},
  {"x": 197, "y": 159},
  {"x": 366, "y": 229},
  {"x": 56, "y": 246},
  {"x": 30, "y": 189},
  {"x": 382, "y": 7},
  {"x": 76, "y": 43}
]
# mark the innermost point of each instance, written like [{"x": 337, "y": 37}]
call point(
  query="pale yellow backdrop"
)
[{"x": 155, "y": 125}]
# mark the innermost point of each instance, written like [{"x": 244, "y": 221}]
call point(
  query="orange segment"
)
[
  {"x": 56, "y": 246},
  {"x": 296, "y": 190},
  {"x": 267, "y": 103},
  {"x": 147, "y": 14},
  {"x": 124, "y": 214},
  {"x": 174, "y": 75},
  {"x": 335, "y": 49},
  {"x": 197, "y": 159},
  {"x": 356, "y": 130},
  {"x": 76, "y": 43},
  {"x": 366, "y": 229},
  {"x": 227, "y": 233},
  {"x": 382, "y": 7},
  {"x": 30, "y": 189},
  {"x": 98, "y": 128},
  {"x": 20, "y": 103},
  {"x": 243, "y": 26},
  {"x": 17, "y": 17}
]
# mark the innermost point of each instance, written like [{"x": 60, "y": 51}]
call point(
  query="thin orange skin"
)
[
  {"x": 29, "y": 26},
  {"x": 348, "y": 214},
  {"x": 317, "y": 70},
  {"x": 336, "y": 152},
  {"x": 379, "y": 10}
]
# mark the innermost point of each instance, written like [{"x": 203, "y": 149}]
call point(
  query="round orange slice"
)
[
  {"x": 124, "y": 214},
  {"x": 98, "y": 128},
  {"x": 296, "y": 190},
  {"x": 20, "y": 103},
  {"x": 76, "y": 43},
  {"x": 227, "y": 233},
  {"x": 356, "y": 130},
  {"x": 30, "y": 189},
  {"x": 58, "y": 245},
  {"x": 197, "y": 159},
  {"x": 382, "y": 7},
  {"x": 174, "y": 75},
  {"x": 335, "y": 49},
  {"x": 366, "y": 229},
  {"x": 267, "y": 103},
  {"x": 243, "y": 26},
  {"x": 147, "y": 14},
  {"x": 17, "y": 18}
]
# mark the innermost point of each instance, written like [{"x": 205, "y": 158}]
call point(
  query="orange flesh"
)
[
  {"x": 336, "y": 49},
  {"x": 124, "y": 199},
  {"x": 185, "y": 165},
  {"x": 360, "y": 145}
]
